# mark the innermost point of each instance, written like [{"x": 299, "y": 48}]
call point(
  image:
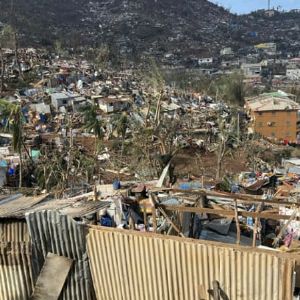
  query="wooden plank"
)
[
  {"x": 153, "y": 213},
  {"x": 170, "y": 221},
  {"x": 238, "y": 229},
  {"x": 228, "y": 213},
  {"x": 284, "y": 227},
  {"x": 256, "y": 225},
  {"x": 239, "y": 197},
  {"x": 52, "y": 277}
]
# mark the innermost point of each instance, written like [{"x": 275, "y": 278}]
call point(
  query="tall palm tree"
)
[
  {"x": 14, "y": 123},
  {"x": 121, "y": 124},
  {"x": 93, "y": 123}
]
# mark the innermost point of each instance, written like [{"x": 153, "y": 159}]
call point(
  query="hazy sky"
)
[{"x": 244, "y": 6}]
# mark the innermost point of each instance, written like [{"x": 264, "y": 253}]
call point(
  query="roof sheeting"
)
[
  {"x": 271, "y": 103},
  {"x": 61, "y": 235},
  {"x": 130, "y": 265},
  {"x": 17, "y": 207},
  {"x": 73, "y": 208}
]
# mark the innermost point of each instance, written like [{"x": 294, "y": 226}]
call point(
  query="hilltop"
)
[{"x": 140, "y": 27}]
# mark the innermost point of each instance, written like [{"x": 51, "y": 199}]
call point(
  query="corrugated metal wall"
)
[
  {"x": 15, "y": 271},
  {"x": 127, "y": 266},
  {"x": 15, "y": 261},
  {"x": 14, "y": 231},
  {"x": 61, "y": 235}
]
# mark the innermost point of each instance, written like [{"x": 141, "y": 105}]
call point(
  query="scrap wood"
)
[
  {"x": 284, "y": 227},
  {"x": 153, "y": 202},
  {"x": 238, "y": 229},
  {"x": 171, "y": 222},
  {"x": 255, "y": 229},
  {"x": 227, "y": 213},
  {"x": 163, "y": 176}
]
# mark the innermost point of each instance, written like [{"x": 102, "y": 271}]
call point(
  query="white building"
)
[
  {"x": 204, "y": 61},
  {"x": 251, "y": 70},
  {"x": 293, "y": 74}
]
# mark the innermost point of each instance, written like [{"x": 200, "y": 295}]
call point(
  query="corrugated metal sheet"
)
[
  {"x": 14, "y": 231},
  {"x": 15, "y": 271},
  {"x": 128, "y": 265},
  {"x": 16, "y": 208},
  {"x": 73, "y": 208},
  {"x": 61, "y": 235}
]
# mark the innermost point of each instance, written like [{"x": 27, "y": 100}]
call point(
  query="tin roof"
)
[
  {"x": 16, "y": 206},
  {"x": 271, "y": 103}
]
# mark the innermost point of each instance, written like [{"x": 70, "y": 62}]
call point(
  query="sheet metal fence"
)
[
  {"x": 16, "y": 277},
  {"x": 60, "y": 234},
  {"x": 129, "y": 265},
  {"x": 14, "y": 231}
]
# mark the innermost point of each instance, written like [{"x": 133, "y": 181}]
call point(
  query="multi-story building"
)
[{"x": 273, "y": 115}]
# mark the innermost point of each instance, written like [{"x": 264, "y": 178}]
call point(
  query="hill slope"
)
[{"x": 131, "y": 27}]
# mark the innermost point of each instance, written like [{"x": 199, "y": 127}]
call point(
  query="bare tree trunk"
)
[
  {"x": 17, "y": 55},
  {"x": 147, "y": 114},
  {"x": 158, "y": 109},
  {"x": 219, "y": 167},
  {"x": 20, "y": 169},
  {"x": 2, "y": 71},
  {"x": 220, "y": 156},
  {"x": 96, "y": 146}
]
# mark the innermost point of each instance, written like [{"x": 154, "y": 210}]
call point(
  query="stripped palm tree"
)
[
  {"x": 14, "y": 120},
  {"x": 93, "y": 123},
  {"x": 121, "y": 123}
]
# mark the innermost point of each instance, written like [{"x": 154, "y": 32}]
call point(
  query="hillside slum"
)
[{"x": 101, "y": 170}]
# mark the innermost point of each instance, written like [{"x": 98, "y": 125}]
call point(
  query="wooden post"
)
[
  {"x": 145, "y": 216},
  {"x": 216, "y": 290},
  {"x": 154, "y": 219},
  {"x": 153, "y": 213},
  {"x": 238, "y": 229},
  {"x": 256, "y": 225},
  {"x": 170, "y": 221}
]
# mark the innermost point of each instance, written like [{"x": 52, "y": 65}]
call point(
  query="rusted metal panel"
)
[
  {"x": 61, "y": 235},
  {"x": 129, "y": 265},
  {"x": 16, "y": 277},
  {"x": 14, "y": 231}
]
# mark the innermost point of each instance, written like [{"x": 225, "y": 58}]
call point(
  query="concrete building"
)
[
  {"x": 251, "y": 70},
  {"x": 273, "y": 115},
  {"x": 109, "y": 105},
  {"x": 293, "y": 74},
  {"x": 205, "y": 61}
]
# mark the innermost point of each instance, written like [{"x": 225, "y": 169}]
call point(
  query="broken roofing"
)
[
  {"x": 16, "y": 206},
  {"x": 271, "y": 103}
]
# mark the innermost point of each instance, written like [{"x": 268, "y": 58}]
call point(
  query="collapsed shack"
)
[
  {"x": 33, "y": 227},
  {"x": 257, "y": 221}
]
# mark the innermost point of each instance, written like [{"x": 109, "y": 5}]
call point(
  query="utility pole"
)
[{"x": 269, "y": 4}]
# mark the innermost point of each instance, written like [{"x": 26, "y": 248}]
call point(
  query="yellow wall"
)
[{"x": 284, "y": 124}]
